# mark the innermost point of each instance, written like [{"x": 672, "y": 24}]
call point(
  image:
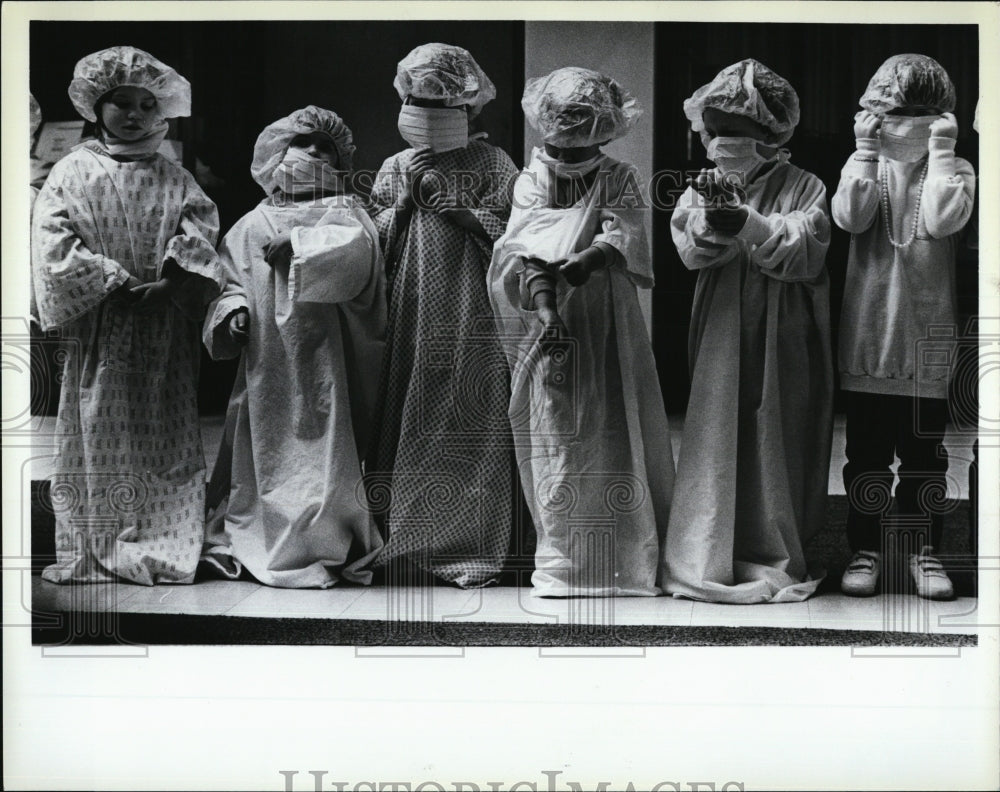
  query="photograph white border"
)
[{"x": 235, "y": 717}]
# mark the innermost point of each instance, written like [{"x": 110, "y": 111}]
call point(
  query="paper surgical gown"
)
[
  {"x": 752, "y": 474},
  {"x": 302, "y": 402},
  {"x": 129, "y": 482},
  {"x": 593, "y": 446}
]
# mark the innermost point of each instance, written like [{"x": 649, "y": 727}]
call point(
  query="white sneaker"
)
[
  {"x": 929, "y": 575},
  {"x": 861, "y": 576}
]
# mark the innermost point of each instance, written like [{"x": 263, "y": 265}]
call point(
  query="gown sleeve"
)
[
  {"x": 232, "y": 298},
  {"x": 330, "y": 263},
  {"x": 698, "y": 245},
  {"x": 855, "y": 204},
  {"x": 508, "y": 264},
  {"x": 949, "y": 189},
  {"x": 623, "y": 228},
  {"x": 791, "y": 246},
  {"x": 493, "y": 207},
  {"x": 382, "y": 206},
  {"x": 193, "y": 249},
  {"x": 69, "y": 279}
]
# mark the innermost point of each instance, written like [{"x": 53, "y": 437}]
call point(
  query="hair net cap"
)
[
  {"x": 751, "y": 89},
  {"x": 909, "y": 81},
  {"x": 446, "y": 73},
  {"x": 34, "y": 114},
  {"x": 573, "y": 107},
  {"x": 103, "y": 71},
  {"x": 273, "y": 142}
]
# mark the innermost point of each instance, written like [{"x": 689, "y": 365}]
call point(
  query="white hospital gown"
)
[
  {"x": 302, "y": 403},
  {"x": 129, "y": 481},
  {"x": 593, "y": 446},
  {"x": 752, "y": 474}
]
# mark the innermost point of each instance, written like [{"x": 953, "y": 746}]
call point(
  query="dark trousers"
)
[{"x": 879, "y": 427}]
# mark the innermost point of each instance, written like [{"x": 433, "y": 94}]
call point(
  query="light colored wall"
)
[{"x": 623, "y": 50}]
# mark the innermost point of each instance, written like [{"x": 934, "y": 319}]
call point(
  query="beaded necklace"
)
[{"x": 882, "y": 175}]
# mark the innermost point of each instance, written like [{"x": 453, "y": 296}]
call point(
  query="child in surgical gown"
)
[
  {"x": 586, "y": 411},
  {"x": 752, "y": 473},
  {"x": 441, "y": 465},
  {"x": 124, "y": 262},
  {"x": 304, "y": 294}
]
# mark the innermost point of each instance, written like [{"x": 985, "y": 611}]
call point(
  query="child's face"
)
[
  {"x": 318, "y": 145},
  {"x": 129, "y": 113},
  {"x": 573, "y": 154},
  {"x": 721, "y": 124}
]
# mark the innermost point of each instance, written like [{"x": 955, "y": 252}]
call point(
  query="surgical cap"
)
[
  {"x": 35, "y": 114},
  {"x": 909, "y": 81},
  {"x": 750, "y": 89},
  {"x": 573, "y": 107},
  {"x": 112, "y": 68},
  {"x": 273, "y": 142},
  {"x": 446, "y": 73}
]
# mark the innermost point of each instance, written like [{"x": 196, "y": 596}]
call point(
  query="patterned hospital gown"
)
[
  {"x": 440, "y": 477},
  {"x": 129, "y": 481}
]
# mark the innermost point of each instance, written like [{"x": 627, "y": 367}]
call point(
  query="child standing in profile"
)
[
  {"x": 586, "y": 411},
  {"x": 904, "y": 196},
  {"x": 124, "y": 263},
  {"x": 752, "y": 475}
]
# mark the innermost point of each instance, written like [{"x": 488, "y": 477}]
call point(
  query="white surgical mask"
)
[
  {"x": 905, "y": 137},
  {"x": 299, "y": 173},
  {"x": 439, "y": 128},
  {"x": 145, "y": 146},
  {"x": 569, "y": 169},
  {"x": 735, "y": 155}
]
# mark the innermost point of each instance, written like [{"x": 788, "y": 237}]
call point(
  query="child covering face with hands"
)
[{"x": 904, "y": 196}]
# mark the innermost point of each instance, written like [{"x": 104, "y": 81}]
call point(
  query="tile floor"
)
[
  {"x": 506, "y": 604},
  {"x": 885, "y": 613}
]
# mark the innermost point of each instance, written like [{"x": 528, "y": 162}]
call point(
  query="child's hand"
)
[
  {"x": 866, "y": 125},
  {"x": 946, "y": 126},
  {"x": 554, "y": 333},
  {"x": 278, "y": 252},
  {"x": 152, "y": 296},
  {"x": 463, "y": 218},
  {"x": 707, "y": 186},
  {"x": 124, "y": 292},
  {"x": 239, "y": 327},
  {"x": 724, "y": 210},
  {"x": 438, "y": 201},
  {"x": 447, "y": 207},
  {"x": 576, "y": 269},
  {"x": 728, "y": 221},
  {"x": 421, "y": 162}
]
